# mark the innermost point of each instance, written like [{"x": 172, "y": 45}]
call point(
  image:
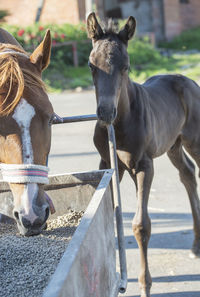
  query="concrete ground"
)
[{"x": 174, "y": 274}]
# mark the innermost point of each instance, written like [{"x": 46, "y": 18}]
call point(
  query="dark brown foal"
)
[{"x": 162, "y": 115}]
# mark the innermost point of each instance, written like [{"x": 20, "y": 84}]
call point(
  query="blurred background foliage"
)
[
  {"x": 187, "y": 40},
  {"x": 145, "y": 59},
  {"x": 3, "y": 14}
]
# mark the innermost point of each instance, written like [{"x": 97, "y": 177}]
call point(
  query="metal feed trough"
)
[{"x": 88, "y": 266}]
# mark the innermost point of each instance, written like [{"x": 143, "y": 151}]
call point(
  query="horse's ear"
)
[
  {"x": 94, "y": 29},
  {"x": 41, "y": 55},
  {"x": 128, "y": 30}
]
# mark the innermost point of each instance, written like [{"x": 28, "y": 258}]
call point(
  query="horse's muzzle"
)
[
  {"x": 106, "y": 115},
  {"x": 28, "y": 228}
]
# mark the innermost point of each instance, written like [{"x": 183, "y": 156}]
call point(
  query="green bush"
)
[
  {"x": 31, "y": 36},
  {"x": 187, "y": 40},
  {"x": 141, "y": 52},
  {"x": 61, "y": 74}
]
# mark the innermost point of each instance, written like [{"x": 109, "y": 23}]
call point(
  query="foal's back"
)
[
  {"x": 173, "y": 105},
  {"x": 180, "y": 96}
]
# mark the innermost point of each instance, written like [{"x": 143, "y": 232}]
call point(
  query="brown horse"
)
[
  {"x": 25, "y": 130},
  {"x": 162, "y": 115}
]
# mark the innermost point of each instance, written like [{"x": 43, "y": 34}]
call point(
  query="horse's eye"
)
[{"x": 90, "y": 65}]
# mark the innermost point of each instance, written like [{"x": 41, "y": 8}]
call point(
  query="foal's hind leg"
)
[{"x": 187, "y": 176}]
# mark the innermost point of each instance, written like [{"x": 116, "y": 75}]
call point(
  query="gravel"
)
[{"x": 26, "y": 263}]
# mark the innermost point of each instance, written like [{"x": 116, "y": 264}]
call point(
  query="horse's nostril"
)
[
  {"x": 26, "y": 223},
  {"x": 106, "y": 115},
  {"x": 46, "y": 213},
  {"x": 16, "y": 215},
  {"x": 37, "y": 224}
]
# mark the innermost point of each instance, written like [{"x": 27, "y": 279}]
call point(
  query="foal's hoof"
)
[
  {"x": 145, "y": 292},
  {"x": 195, "y": 251},
  {"x": 194, "y": 254}
]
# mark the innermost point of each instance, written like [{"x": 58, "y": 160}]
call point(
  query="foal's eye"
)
[{"x": 126, "y": 68}]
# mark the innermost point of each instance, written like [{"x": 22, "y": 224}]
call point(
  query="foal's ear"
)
[
  {"x": 128, "y": 30},
  {"x": 41, "y": 55},
  {"x": 94, "y": 29}
]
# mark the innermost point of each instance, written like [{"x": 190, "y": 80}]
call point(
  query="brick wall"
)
[
  {"x": 65, "y": 11},
  {"x": 180, "y": 16},
  {"x": 23, "y": 12},
  {"x": 82, "y": 9},
  {"x": 158, "y": 20},
  {"x": 190, "y": 14},
  {"x": 173, "y": 24}
]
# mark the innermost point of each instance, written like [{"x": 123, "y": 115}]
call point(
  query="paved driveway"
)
[{"x": 174, "y": 273}]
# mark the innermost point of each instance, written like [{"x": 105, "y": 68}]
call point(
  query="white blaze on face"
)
[
  {"x": 23, "y": 114},
  {"x": 30, "y": 192}
]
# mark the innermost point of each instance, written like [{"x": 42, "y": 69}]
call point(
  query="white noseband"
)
[{"x": 24, "y": 173}]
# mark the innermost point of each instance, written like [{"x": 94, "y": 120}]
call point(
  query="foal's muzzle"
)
[{"x": 106, "y": 115}]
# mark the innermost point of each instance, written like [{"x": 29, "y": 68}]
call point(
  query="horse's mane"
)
[{"x": 13, "y": 78}]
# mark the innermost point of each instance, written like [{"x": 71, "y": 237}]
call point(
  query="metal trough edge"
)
[{"x": 55, "y": 288}]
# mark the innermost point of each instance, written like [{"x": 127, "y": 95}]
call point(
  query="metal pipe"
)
[
  {"x": 118, "y": 209},
  {"x": 80, "y": 118}
]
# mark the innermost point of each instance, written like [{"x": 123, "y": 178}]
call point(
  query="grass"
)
[
  {"x": 188, "y": 65},
  {"x": 67, "y": 78}
]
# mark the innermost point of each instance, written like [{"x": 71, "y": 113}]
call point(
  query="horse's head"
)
[
  {"x": 109, "y": 64},
  {"x": 25, "y": 132}
]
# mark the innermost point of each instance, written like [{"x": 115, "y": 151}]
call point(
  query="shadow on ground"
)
[
  {"x": 172, "y": 279},
  {"x": 181, "y": 239},
  {"x": 176, "y": 294}
]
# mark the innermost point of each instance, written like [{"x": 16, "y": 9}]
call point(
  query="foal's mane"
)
[
  {"x": 110, "y": 27},
  {"x": 14, "y": 78}
]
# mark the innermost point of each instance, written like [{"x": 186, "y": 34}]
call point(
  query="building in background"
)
[
  {"x": 162, "y": 18},
  {"x": 165, "y": 18},
  {"x": 24, "y": 12}
]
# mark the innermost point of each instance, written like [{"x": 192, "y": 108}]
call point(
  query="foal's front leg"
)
[{"x": 142, "y": 223}]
